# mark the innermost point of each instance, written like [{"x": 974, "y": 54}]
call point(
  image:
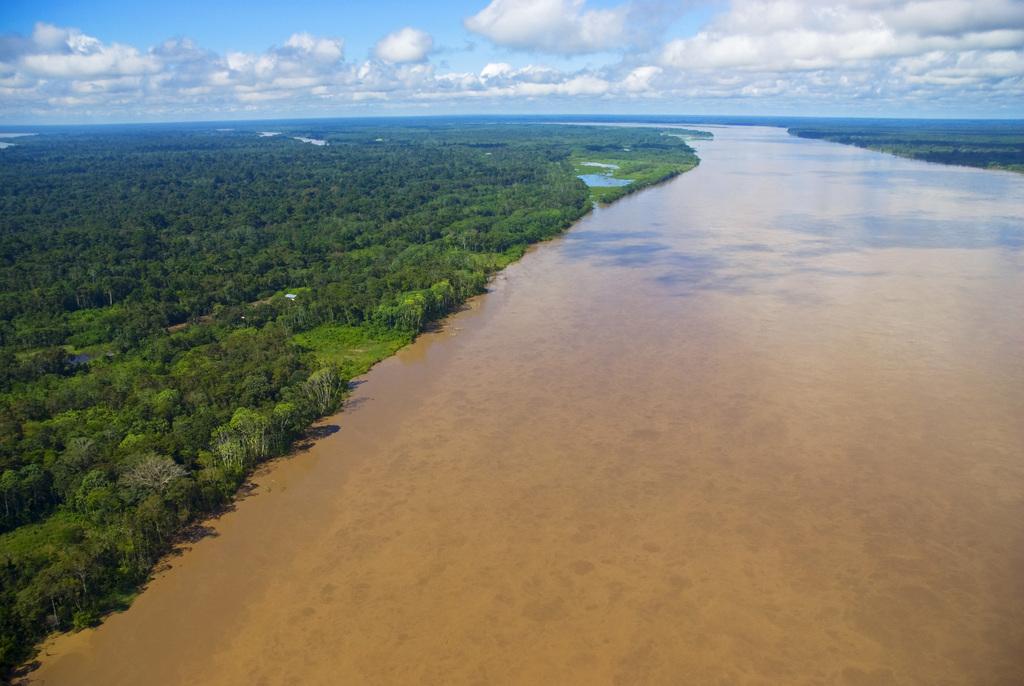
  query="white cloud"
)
[
  {"x": 404, "y": 45},
  {"x": 495, "y": 70},
  {"x": 812, "y": 34},
  {"x": 328, "y": 50},
  {"x": 790, "y": 55},
  {"x": 64, "y": 53},
  {"x": 503, "y": 74},
  {"x": 951, "y": 17},
  {"x": 883, "y": 50},
  {"x": 49, "y": 37},
  {"x": 558, "y": 26},
  {"x": 639, "y": 80}
]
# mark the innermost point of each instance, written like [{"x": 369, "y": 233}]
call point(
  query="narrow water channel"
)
[{"x": 763, "y": 424}]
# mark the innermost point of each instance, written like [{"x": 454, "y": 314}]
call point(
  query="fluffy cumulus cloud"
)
[
  {"x": 69, "y": 53},
  {"x": 404, "y": 45},
  {"x": 858, "y": 49},
  {"x": 61, "y": 70},
  {"x": 558, "y": 26},
  {"x": 756, "y": 56}
]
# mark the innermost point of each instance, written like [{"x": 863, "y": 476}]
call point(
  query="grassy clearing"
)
[
  {"x": 41, "y": 538},
  {"x": 353, "y": 348}
]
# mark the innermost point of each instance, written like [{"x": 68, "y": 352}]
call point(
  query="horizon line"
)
[{"x": 510, "y": 116}]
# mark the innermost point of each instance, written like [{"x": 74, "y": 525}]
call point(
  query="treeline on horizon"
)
[
  {"x": 149, "y": 358},
  {"x": 988, "y": 145}
]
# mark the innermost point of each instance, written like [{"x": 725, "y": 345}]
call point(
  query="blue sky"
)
[
  {"x": 256, "y": 25},
  {"x": 112, "y": 60}
]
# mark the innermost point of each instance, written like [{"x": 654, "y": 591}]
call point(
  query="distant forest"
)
[
  {"x": 179, "y": 303},
  {"x": 989, "y": 145}
]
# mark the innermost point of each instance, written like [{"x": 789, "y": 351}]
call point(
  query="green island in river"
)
[{"x": 201, "y": 295}]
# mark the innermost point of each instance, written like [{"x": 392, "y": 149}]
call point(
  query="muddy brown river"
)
[{"x": 763, "y": 424}]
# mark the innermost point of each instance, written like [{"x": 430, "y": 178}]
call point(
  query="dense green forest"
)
[
  {"x": 989, "y": 145},
  {"x": 179, "y": 303}
]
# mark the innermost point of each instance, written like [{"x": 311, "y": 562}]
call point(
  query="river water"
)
[{"x": 763, "y": 424}]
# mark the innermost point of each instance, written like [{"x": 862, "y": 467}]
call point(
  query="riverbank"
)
[
  {"x": 351, "y": 350},
  {"x": 986, "y": 145}
]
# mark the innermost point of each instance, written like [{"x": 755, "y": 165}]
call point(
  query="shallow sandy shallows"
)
[{"x": 760, "y": 425}]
